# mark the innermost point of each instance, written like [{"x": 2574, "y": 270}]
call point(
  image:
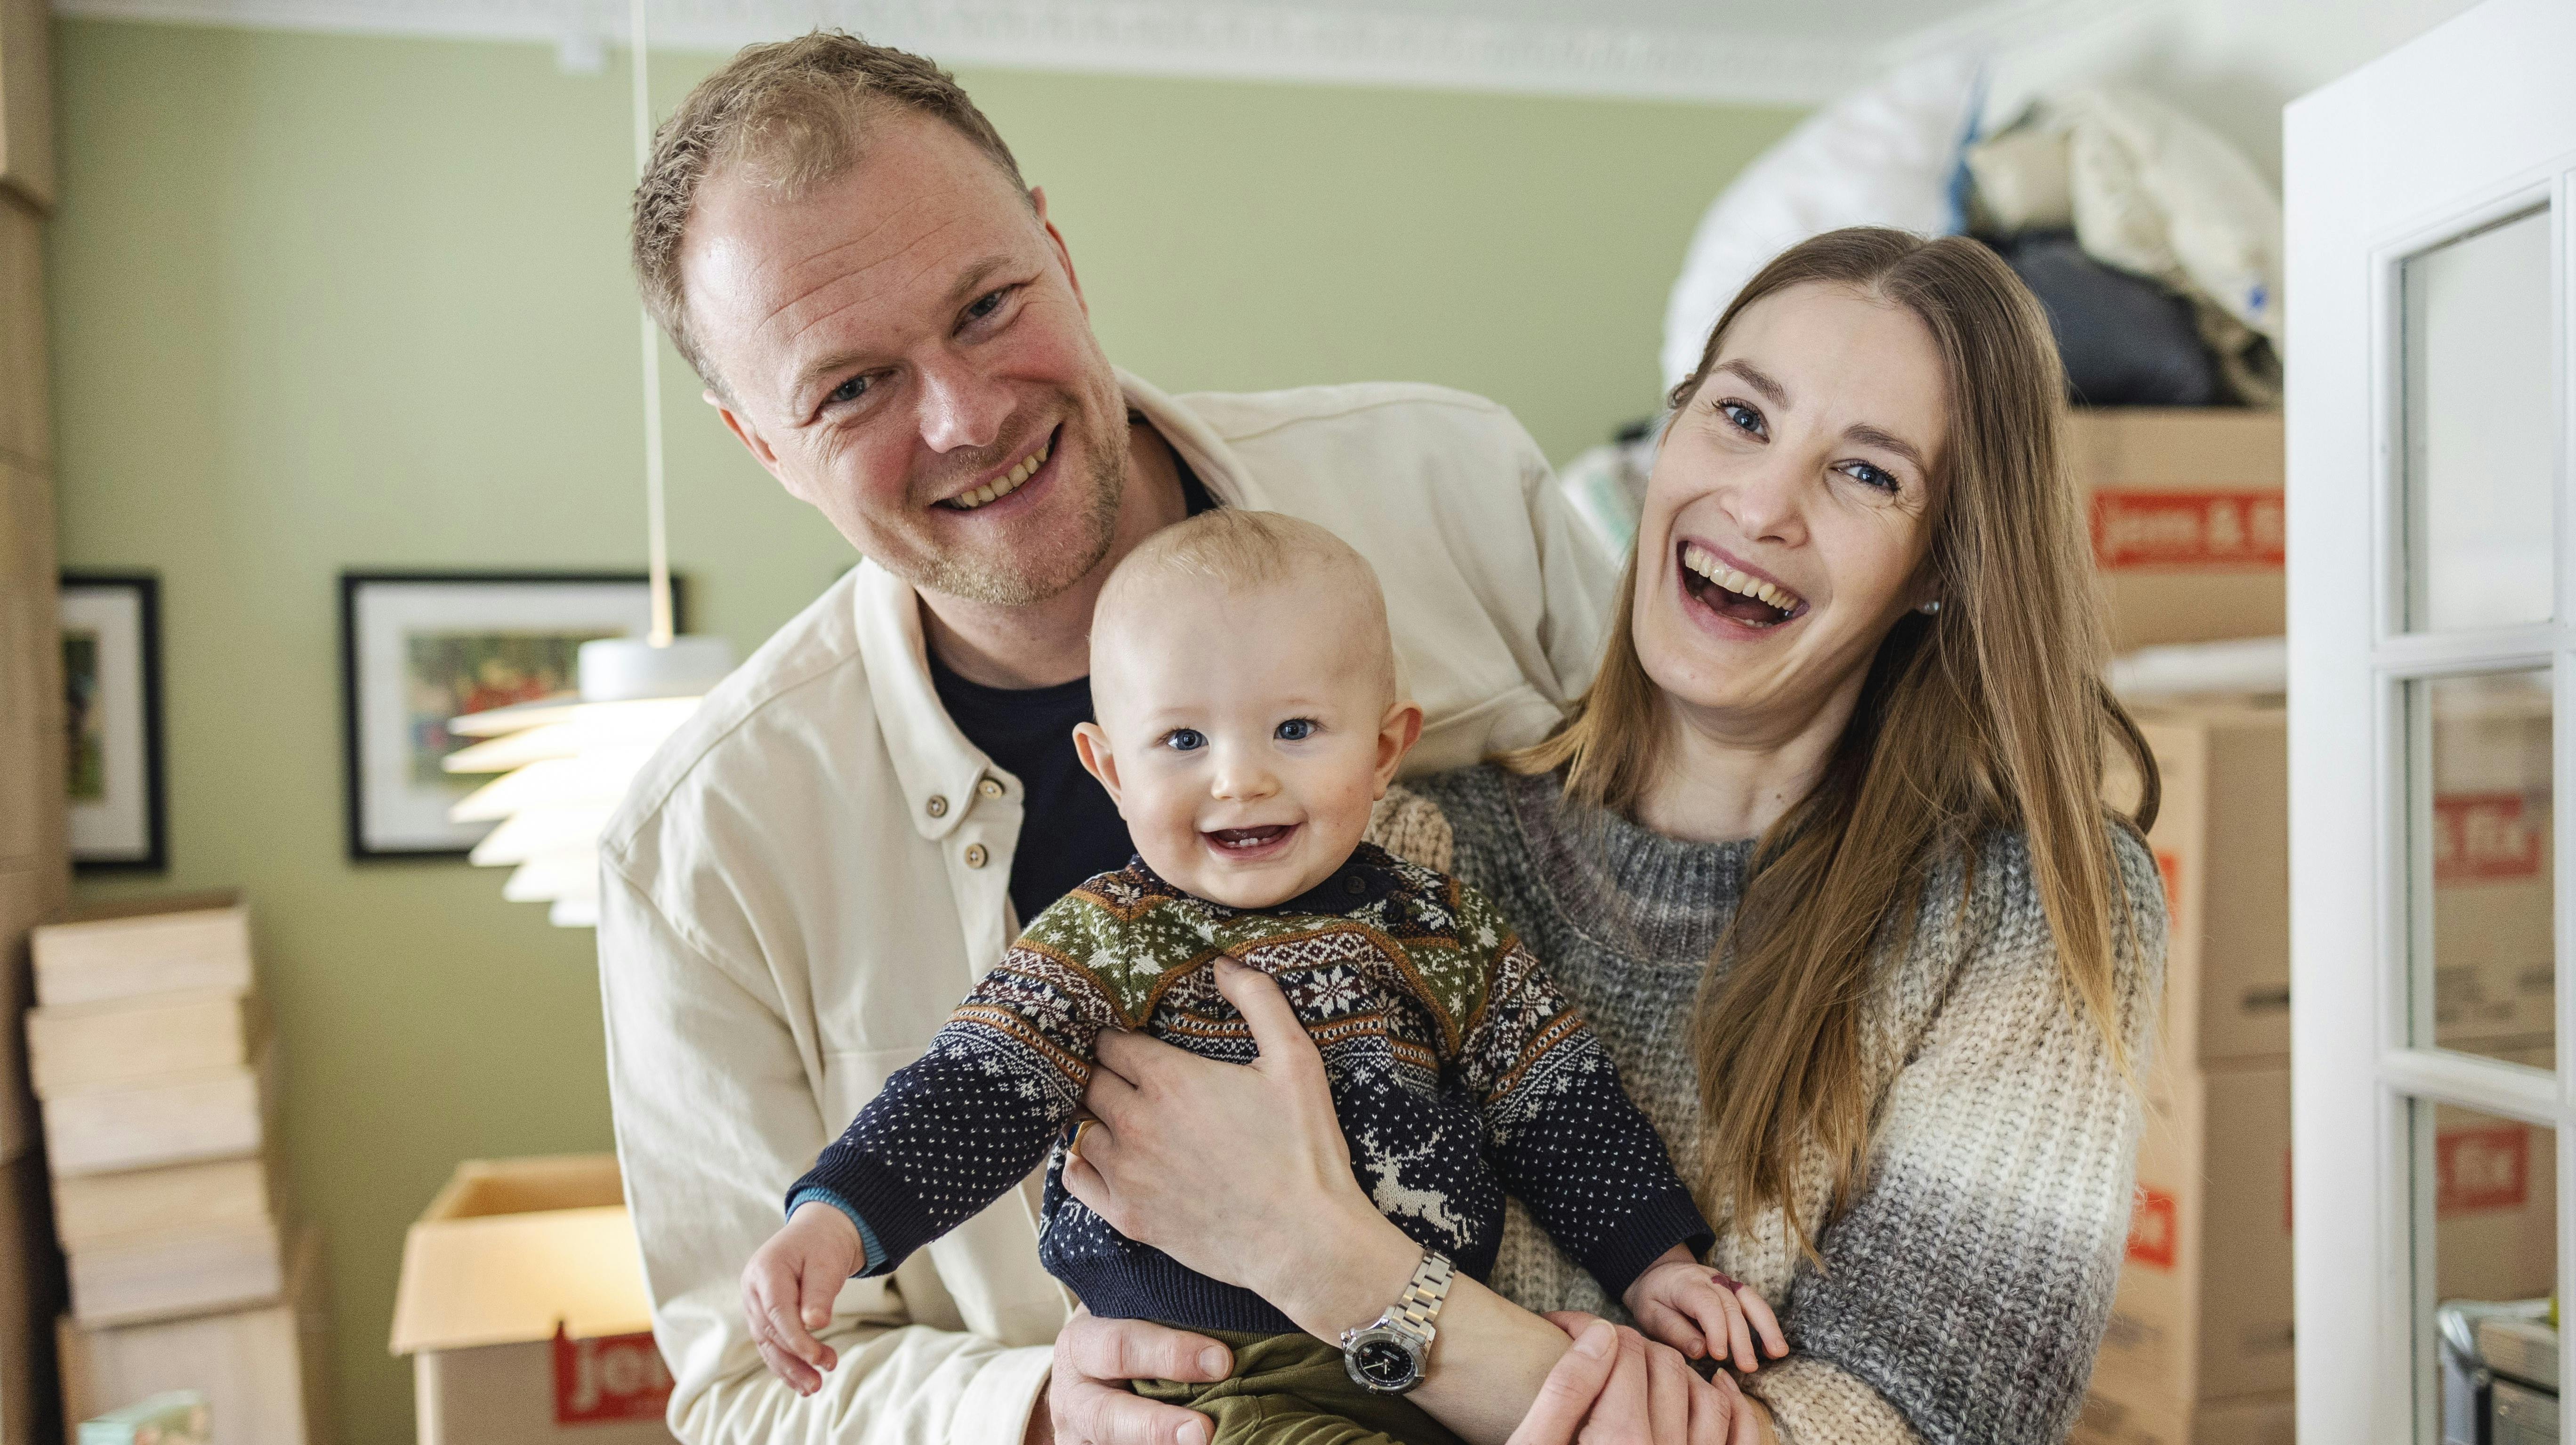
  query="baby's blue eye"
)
[
  {"x": 1295, "y": 730},
  {"x": 1184, "y": 740}
]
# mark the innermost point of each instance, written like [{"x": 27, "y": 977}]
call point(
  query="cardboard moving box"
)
[
  {"x": 265, "y": 1372},
  {"x": 2222, "y": 841},
  {"x": 129, "y": 950},
  {"x": 2185, "y": 509},
  {"x": 2494, "y": 926},
  {"x": 522, "y": 1306},
  {"x": 2204, "y": 1308},
  {"x": 2262, "y": 1420}
]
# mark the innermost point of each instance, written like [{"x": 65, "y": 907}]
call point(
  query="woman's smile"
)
[{"x": 1725, "y": 589}]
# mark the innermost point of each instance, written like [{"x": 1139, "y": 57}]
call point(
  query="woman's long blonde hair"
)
[{"x": 1990, "y": 714}]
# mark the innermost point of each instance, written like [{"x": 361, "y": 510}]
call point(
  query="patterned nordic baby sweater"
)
[{"x": 1458, "y": 1073}]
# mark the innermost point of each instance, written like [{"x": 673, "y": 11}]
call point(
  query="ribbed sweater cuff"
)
[
  {"x": 890, "y": 1219},
  {"x": 1642, "y": 1237},
  {"x": 1814, "y": 1403},
  {"x": 871, "y": 1253}
]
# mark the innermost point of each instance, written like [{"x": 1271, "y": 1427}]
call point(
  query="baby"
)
[{"x": 1248, "y": 712}]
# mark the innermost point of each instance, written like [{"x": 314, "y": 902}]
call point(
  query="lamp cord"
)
[{"x": 657, "y": 542}]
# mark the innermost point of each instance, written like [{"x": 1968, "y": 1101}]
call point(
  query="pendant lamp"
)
[{"x": 566, "y": 762}]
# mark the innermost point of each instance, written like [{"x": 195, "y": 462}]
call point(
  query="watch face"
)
[{"x": 1382, "y": 1362}]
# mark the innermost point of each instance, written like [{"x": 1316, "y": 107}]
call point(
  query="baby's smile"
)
[{"x": 1264, "y": 841}]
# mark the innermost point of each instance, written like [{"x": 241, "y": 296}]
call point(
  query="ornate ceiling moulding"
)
[{"x": 1727, "y": 60}]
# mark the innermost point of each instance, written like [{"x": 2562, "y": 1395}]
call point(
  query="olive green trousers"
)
[{"x": 1292, "y": 1390}]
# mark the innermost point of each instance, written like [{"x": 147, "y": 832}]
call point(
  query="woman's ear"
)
[
  {"x": 1396, "y": 736},
  {"x": 1092, "y": 746}
]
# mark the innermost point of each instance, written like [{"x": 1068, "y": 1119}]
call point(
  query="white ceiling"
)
[{"x": 1797, "y": 51}]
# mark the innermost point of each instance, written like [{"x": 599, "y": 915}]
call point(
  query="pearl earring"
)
[{"x": 1928, "y": 608}]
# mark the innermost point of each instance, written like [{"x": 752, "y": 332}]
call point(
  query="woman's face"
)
[{"x": 1789, "y": 512}]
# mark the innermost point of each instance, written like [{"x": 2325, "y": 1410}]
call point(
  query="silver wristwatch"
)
[{"x": 1390, "y": 1355}]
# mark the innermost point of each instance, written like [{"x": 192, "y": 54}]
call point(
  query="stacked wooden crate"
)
[{"x": 151, "y": 1063}]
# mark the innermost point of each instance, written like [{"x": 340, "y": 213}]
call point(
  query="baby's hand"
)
[
  {"x": 1699, "y": 1311},
  {"x": 788, "y": 1288}
]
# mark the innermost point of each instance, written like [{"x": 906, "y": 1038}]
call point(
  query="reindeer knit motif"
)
[{"x": 1458, "y": 1073}]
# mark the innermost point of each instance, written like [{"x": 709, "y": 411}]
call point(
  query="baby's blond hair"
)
[{"x": 1238, "y": 550}]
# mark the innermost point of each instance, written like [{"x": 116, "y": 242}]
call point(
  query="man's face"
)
[{"x": 906, "y": 348}]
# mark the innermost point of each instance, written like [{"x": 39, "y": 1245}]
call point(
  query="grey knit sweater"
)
[{"x": 1965, "y": 1290}]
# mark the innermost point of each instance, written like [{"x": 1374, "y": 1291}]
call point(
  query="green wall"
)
[{"x": 323, "y": 303}]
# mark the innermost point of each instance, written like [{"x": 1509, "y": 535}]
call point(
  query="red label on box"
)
[
  {"x": 2187, "y": 529},
  {"x": 2169, "y": 868},
  {"x": 2486, "y": 1167},
  {"x": 620, "y": 1377},
  {"x": 2483, "y": 836},
  {"x": 2153, "y": 1226}
]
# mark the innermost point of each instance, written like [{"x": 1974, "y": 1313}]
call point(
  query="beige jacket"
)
[{"x": 807, "y": 878}]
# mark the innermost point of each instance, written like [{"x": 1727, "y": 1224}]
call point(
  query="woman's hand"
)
[
  {"x": 1240, "y": 1173},
  {"x": 1615, "y": 1385},
  {"x": 1087, "y": 1400}
]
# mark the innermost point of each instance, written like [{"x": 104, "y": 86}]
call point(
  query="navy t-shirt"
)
[{"x": 1069, "y": 830}]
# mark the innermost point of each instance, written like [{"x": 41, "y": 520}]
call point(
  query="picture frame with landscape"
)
[
  {"x": 420, "y": 648},
  {"x": 113, "y": 769}
]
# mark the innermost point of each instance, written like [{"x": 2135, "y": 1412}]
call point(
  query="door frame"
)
[{"x": 2468, "y": 124}]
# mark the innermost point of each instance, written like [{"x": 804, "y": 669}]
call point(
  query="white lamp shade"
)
[{"x": 565, "y": 765}]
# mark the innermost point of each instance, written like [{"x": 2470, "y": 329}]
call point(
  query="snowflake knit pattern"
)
[{"x": 1458, "y": 1072}]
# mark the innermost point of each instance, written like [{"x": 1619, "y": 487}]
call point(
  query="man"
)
[{"x": 807, "y": 878}]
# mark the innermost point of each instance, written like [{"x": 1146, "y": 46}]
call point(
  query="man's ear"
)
[
  {"x": 1092, "y": 746},
  {"x": 1063, "y": 254},
  {"x": 743, "y": 432},
  {"x": 1396, "y": 737}
]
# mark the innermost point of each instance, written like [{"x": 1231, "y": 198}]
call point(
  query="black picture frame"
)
[
  {"x": 386, "y": 818},
  {"x": 125, "y": 827}
]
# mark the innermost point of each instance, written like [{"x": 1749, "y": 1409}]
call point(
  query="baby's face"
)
[{"x": 1243, "y": 733}]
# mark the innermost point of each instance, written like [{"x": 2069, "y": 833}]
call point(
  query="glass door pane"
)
[
  {"x": 2487, "y": 951},
  {"x": 2490, "y": 1185},
  {"x": 2481, "y": 427}
]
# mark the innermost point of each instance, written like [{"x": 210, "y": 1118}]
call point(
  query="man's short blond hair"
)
[
  {"x": 792, "y": 113},
  {"x": 1238, "y": 550}
]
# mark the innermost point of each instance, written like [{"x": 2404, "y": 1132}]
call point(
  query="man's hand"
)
[
  {"x": 1700, "y": 1311},
  {"x": 1087, "y": 1401},
  {"x": 1616, "y": 1387},
  {"x": 1239, "y": 1171},
  {"x": 788, "y": 1288}
]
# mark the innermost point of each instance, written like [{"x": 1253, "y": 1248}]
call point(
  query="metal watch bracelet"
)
[{"x": 1391, "y": 1354}]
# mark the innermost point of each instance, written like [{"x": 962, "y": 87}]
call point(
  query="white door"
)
[{"x": 2432, "y": 523}]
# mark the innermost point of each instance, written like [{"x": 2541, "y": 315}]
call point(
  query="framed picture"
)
[
  {"x": 112, "y": 721},
  {"x": 417, "y": 649}
]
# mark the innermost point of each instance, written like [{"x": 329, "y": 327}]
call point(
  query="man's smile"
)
[{"x": 1011, "y": 479}]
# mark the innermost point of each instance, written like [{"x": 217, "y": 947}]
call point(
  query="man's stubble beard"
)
[{"x": 1095, "y": 532}]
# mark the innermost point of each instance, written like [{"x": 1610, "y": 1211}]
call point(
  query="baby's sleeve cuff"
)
[{"x": 873, "y": 1253}]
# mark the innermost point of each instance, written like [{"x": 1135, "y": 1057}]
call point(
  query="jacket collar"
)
[{"x": 932, "y": 758}]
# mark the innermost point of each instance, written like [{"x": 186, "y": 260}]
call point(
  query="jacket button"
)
[
  {"x": 975, "y": 855},
  {"x": 937, "y": 807},
  {"x": 989, "y": 788},
  {"x": 1356, "y": 884}
]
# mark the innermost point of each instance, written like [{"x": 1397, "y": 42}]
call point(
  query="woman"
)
[{"x": 1824, "y": 858}]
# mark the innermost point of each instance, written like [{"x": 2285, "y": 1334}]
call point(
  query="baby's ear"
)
[
  {"x": 1092, "y": 746},
  {"x": 1396, "y": 735}
]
